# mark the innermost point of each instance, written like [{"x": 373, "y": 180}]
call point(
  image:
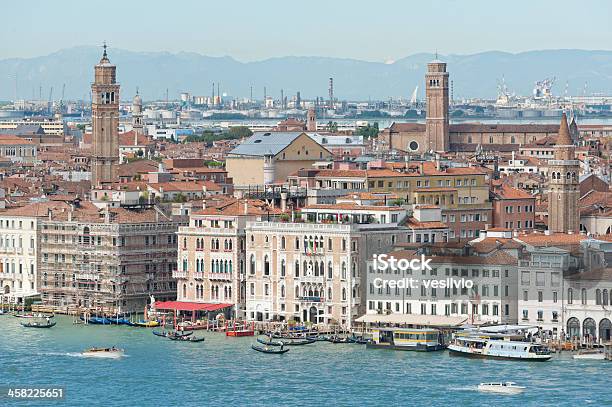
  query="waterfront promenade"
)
[{"x": 225, "y": 371}]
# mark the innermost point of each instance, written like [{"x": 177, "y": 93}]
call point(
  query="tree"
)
[
  {"x": 368, "y": 131},
  {"x": 332, "y": 127}
]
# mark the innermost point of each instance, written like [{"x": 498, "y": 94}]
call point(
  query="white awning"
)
[{"x": 411, "y": 319}]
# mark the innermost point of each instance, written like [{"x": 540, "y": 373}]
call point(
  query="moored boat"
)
[
  {"x": 590, "y": 354},
  {"x": 424, "y": 340},
  {"x": 145, "y": 324},
  {"x": 108, "y": 353},
  {"x": 298, "y": 342},
  {"x": 478, "y": 347},
  {"x": 31, "y": 315},
  {"x": 267, "y": 349},
  {"x": 504, "y": 388},
  {"x": 96, "y": 320}
]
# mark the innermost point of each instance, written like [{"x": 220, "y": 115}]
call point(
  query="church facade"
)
[{"x": 438, "y": 135}]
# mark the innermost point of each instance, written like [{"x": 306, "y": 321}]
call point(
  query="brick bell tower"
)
[
  {"x": 563, "y": 188},
  {"x": 436, "y": 93},
  {"x": 105, "y": 123}
]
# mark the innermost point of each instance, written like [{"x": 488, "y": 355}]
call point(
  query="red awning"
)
[{"x": 189, "y": 306}]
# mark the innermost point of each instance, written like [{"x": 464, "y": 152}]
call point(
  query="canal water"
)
[{"x": 226, "y": 371}]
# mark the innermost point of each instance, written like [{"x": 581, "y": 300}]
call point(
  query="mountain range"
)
[{"x": 577, "y": 72}]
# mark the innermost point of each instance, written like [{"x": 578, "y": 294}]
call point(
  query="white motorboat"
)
[
  {"x": 590, "y": 354},
  {"x": 504, "y": 388},
  {"x": 108, "y": 353}
]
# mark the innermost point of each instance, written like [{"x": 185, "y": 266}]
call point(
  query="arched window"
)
[
  {"x": 573, "y": 327},
  {"x": 283, "y": 268},
  {"x": 598, "y": 297},
  {"x": 297, "y": 292},
  {"x": 570, "y": 296},
  {"x": 184, "y": 290},
  {"x": 343, "y": 270},
  {"x": 583, "y": 296},
  {"x": 184, "y": 243},
  {"x": 329, "y": 294},
  {"x": 266, "y": 266},
  {"x": 283, "y": 243},
  {"x": 343, "y": 294},
  {"x": 282, "y": 291},
  {"x": 252, "y": 266},
  {"x": 512, "y": 140},
  {"x": 297, "y": 243},
  {"x": 605, "y": 299},
  {"x": 330, "y": 270},
  {"x": 230, "y": 266}
]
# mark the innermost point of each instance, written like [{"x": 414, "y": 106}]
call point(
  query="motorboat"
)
[
  {"x": 108, "y": 353},
  {"x": 501, "y": 387},
  {"x": 38, "y": 324},
  {"x": 590, "y": 354},
  {"x": 410, "y": 339},
  {"x": 267, "y": 349}
]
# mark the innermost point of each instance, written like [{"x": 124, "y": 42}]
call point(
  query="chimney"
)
[
  {"x": 49, "y": 213},
  {"x": 437, "y": 162},
  {"x": 283, "y": 201},
  {"x": 246, "y": 207},
  {"x": 204, "y": 203},
  {"x": 70, "y": 213},
  {"x": 106, "y": 214},
  {"x": 547, "y": 232}
]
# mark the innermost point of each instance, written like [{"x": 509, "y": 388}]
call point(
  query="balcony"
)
[
  {"x": 179, "y": 274},
  {"x": 312, "y": 299},
  {"x": 198, "y": 275},
  {"x": 220, "y": 276}
]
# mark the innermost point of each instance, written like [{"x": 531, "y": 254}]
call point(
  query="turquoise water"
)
[{"x": 226, "y": 371}]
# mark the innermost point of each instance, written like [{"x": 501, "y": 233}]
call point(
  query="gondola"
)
[
  {"x": 145, "y": 324},
  {"x": 265, "y": 349},
  {"x": 36, "y": 324},
  {"x": 318, "y": 338},
  {"x": 174, "y": 334},
  {"x": 336, "y": 339},
  {"x": 268, "y": 342},
  {"x": 298, "y": 342},
  {"x": 96, "y": 320},
  {"x": 185, "y": 338},
  {"x": 362, "y": 341},
  {"x": 117, "y": 320}
]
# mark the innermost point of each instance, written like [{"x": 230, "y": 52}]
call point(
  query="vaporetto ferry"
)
[
  {"x": 479, "y": 347},
  {"x": 424, "y": 340}
]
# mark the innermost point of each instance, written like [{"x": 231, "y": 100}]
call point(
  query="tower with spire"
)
[
  {"x": 563, "y": 187},
  {"x": 105, "y": 122},
  {"x": 137, "y": 123}
]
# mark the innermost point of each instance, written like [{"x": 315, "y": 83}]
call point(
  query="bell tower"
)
[
  {"x": 105, "y": 123},
  {"x": 436, "y": 93},
  {"x": 563, "y": 187},
  {"x": 137, "y": 123}
]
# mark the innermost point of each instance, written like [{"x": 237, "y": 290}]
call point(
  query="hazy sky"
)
[{"x": 251, "y": 30}]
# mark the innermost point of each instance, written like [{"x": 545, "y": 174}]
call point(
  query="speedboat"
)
[
  {"x": 108, "y": 353},
  {"x": 590, "y": 354},
  {"x": 504, "y": 388},
  {"x": 267, "y": 349}
]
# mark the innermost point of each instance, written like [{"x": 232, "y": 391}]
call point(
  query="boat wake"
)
[{"x": 464, "y": 388}]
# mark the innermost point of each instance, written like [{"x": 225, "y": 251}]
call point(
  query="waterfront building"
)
[
  {"x": 19, "y": 248},
  {"x": 212, "y": 252},
  {"x": 491, "y": 299},
  {"x": 563, "y": 188},
  {"x": 109, "y": 258},
  {"x": 310, "y": 270},
  {"x": 268, "y": 158},
  {"x": 105, "y": 122}
]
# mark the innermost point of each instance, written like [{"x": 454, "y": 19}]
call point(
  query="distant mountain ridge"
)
[{"x": 475, "y": 75}]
